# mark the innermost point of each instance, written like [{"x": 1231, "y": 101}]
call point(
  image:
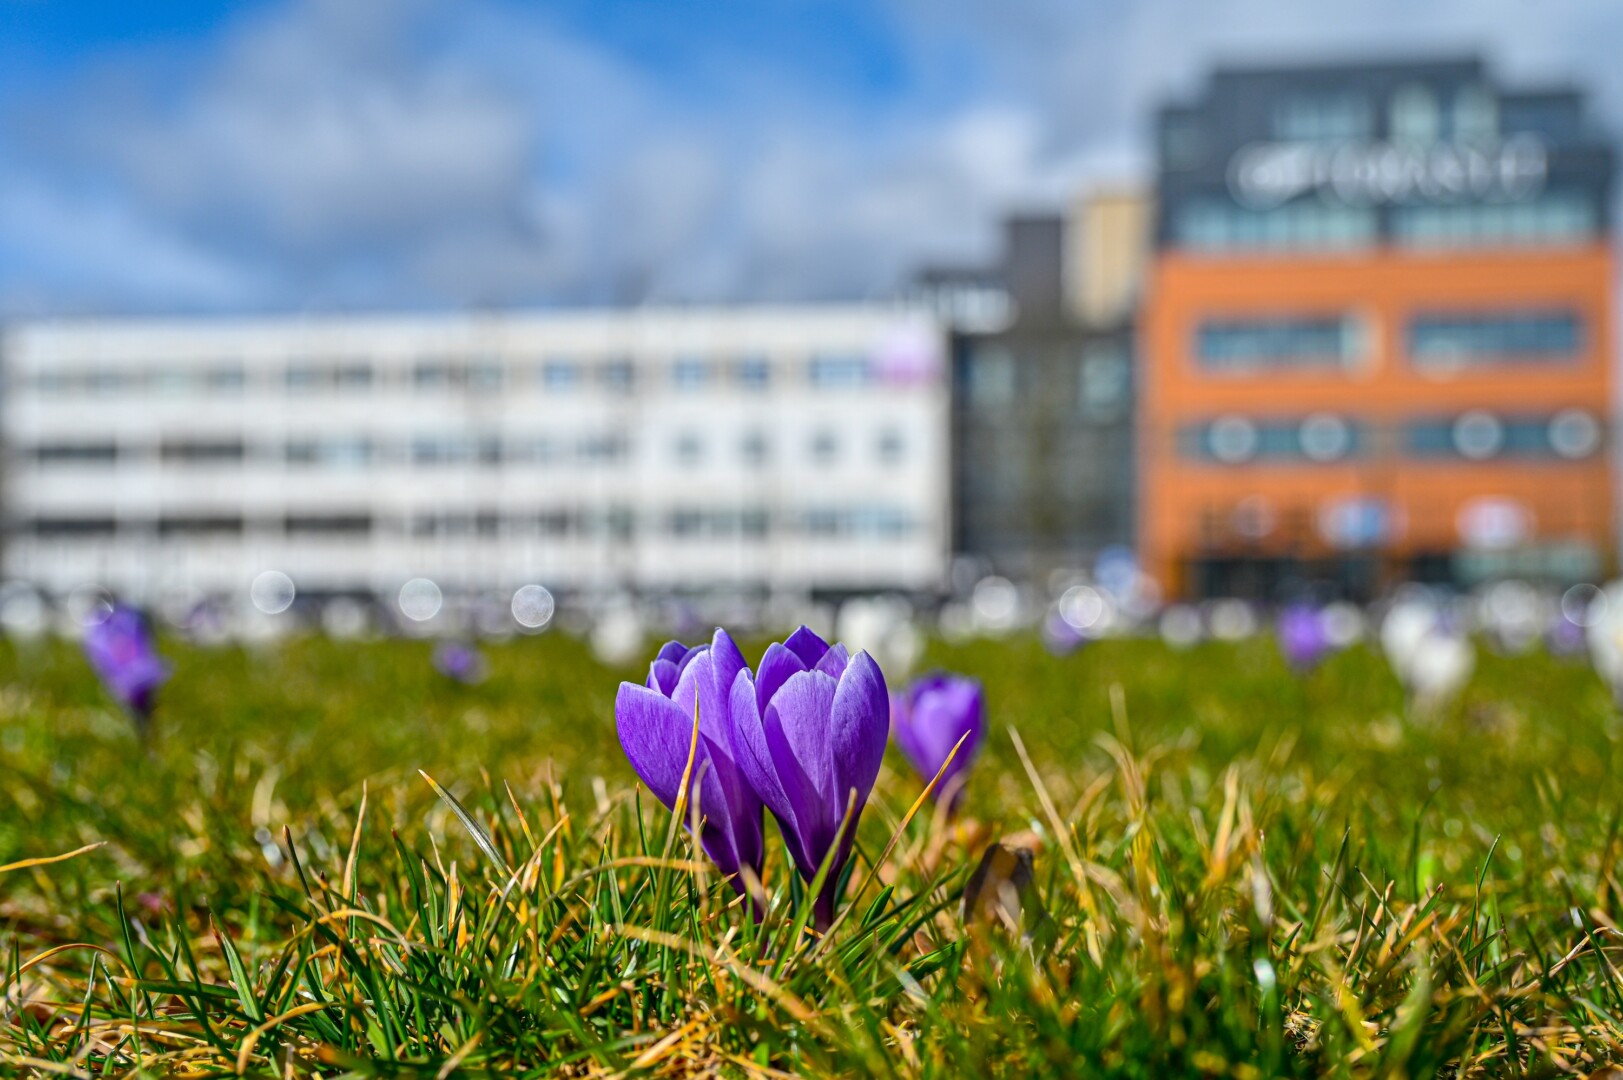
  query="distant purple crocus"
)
[
  {"x": 655, "y": 723},
  {"x": 459, "y": 661},
  {"x": 1564, "y": 637},
  {"x": 928, "y": 720},
  {"x": 809, "y": 730},
  {"x": 124, "y": 654},
  {"x": 1303, "y": 637},
  {"x": 1060, "y": 638}
]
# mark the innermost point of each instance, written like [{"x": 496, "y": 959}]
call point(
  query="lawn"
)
[{"x": 1236, "y": 872}]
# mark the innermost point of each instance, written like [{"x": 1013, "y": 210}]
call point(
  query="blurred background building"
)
[
  {"x": 761, "y": 451},
  {"x": 1043, "y": 475},
  {"x": 1378, "y": 337}
]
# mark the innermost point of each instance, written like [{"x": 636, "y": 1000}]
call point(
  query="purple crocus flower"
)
[
  {"x": 808, "y": 730},
  {"x": 928, "y": 720},
  {"x": 1302, "y": 636},
  {"x": 655, "y": 723},
  {"x": 460, "y": 661},
  {"x": 124, "y": 654}
]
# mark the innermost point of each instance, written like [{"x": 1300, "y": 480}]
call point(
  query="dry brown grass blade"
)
[
  {"x": 24, "y": 864},
  {"x": 252, "y": 1039}
]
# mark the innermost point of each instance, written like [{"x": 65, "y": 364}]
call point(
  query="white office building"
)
[{"x": 789, "y": 451}]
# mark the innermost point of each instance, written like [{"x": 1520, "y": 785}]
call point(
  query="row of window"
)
[
  {"x": 1104, "y": 380},
  {"x": 1415, "y": 113},
  {"x": 1554, "y": 218},
  {"x": 1477, "y": 435},
  {"x": 692, "y": 448},
  {"x": 555, "y": 375},
  {"x": 1432, "y": 339},
  {"x": 619, "y": 522}
]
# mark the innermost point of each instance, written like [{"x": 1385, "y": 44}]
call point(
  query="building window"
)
[
  {"x": 1243, "y": 346},
  {"x": 1569, "y": 435},
  {"x": 301, "y": 378},
  {"x": 70, "y": 527},
  {"x": 753, "y": 449},
  {"x": 352, "y": 453},
  {"x": 991, "y": 377},
  {"x": 225, "y": 379},
  {"x": 1104, "y": 385},
  {"x": 353, "y": 376},
  {"x": 344, "y": 525},
  {"x": 618, "y": 375},
  {"x": 890, "y": 448},
  {"x": 76, "y": 453},
  {"x": 685, "y": 522},
  {"x": 560, "y": 376},
  {"x": 1574, "y": 434},
  {"x": 753, "y": 373},
  {"x": 1444, "y": 340},
  {"x": 690, "y": 373},
  {"x": 1321, "y": 438},
  {"x": 753, "y": 522},
  {"x": 437, "y": 375},
  {"x": 1323, "y": 117},
  {"x": 536, "y": 450},
  {"x": 1476, "y": 114},
  {"x": 885, "y": 522},
  {"x": 1415, "y": 116},
  {"x": 689, "y": 449},
  {"x": 168, "y": 382},
  {"x": 201, "y": 451},
  {"x": 832, "y": 371},
  {"x": 485, "y": 376},
  {"x": 824, "y": 448},
  {"x": 200, "y": 525},
  {"x": 607, "y": 448},
  {"x": 1211, "y": 225},
  {"x": 1556, "y": 217}
]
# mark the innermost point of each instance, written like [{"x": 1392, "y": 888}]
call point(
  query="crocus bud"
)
[
  {"x": 459, "y": 661},
  {"x": 123, "y": 652},
  {"x": 1304, "y": 638},
  {"x": 930, "y": 718}
]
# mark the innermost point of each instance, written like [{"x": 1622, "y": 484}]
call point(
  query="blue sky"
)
[{"x": 321, "y": 154}]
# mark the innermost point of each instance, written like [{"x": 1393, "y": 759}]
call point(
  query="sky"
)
[{"x": 187, "y": 156}]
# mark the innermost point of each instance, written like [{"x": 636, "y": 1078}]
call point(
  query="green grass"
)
[{"x": 1237, "y": 873}]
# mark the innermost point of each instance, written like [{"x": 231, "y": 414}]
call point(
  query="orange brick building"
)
[{"x": 1377, "y": 342}]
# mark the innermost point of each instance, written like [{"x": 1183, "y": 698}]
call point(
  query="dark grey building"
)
[{"x": 1042, "y": 407}]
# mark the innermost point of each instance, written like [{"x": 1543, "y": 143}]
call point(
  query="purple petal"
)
[
  {"x": 662, "y": 676},
  {"x": 122, "y": 650},
  {"x": 858, "y": 728},
  {"x": 944, "y": 714},
  {"x": 806, "y": 645},
  {"x": 834, "y": 661},
  {"x": 798, "y": 737},
  {"x": 776, "y": 666},
  {"x": 672, "y": 651},
  {"x": 728, "y": 659},
  {"x": 732, "y": 806},
  {"x": 725, "y": 662},
  {"x": 655, "y": 735},
  {"x": 751, "y": 755}
]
